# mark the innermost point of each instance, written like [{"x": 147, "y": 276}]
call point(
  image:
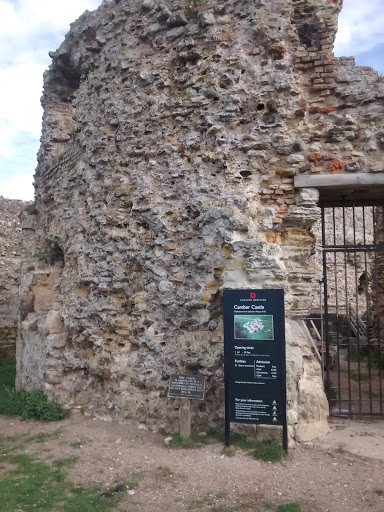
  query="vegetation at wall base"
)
[
  {"x": 268, "y": 450},
  {"x": 194, "y": 441},
  {"x": 26, "y": 404},
  {"x": 31, "y": 209}
]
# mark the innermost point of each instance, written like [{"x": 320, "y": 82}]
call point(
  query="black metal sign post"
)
[{"x": 254, "y": 359}]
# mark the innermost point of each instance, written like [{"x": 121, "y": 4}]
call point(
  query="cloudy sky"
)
[{"x": 31, "y": 28}]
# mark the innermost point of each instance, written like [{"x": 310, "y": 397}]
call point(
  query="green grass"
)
[
  {"x": 269, "y": 450},
  {"x": 243, "y": 442},
  {"x": 379, "y": 492},
  {"x": 366, "y": 356},
  {"x": 31, "y": 484},
  {"x": 7, "y": 373},
  {"x": 31, "y": 209},
  {"x": 359, "y": 377},
  {"x": 44, "y": 436},
  {"x": 289, "y": 507},
  {"x": 195, "y": 441},
  {"x": 27, "y": 404},
  {"x": 135, "y": 478}
]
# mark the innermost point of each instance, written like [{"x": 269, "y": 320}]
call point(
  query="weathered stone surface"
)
[
  {"x": 171, "y": 138},
  {"x": 306, "y": 432},
  {"x": 10, "y": 230},
  {"x": 307, "y": 197}
]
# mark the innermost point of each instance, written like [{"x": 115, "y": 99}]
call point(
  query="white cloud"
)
[
  {"x": 18, "y": 187},
  {"x": 360, "y": 27},
  {"x": 28, "y": 30}
]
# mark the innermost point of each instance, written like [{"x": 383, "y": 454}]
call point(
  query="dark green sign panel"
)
[
  {"x": 254, "y": 356},
  {"x": 187, "y": 386}
]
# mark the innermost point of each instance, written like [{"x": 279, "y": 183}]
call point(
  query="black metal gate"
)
[{"x": 353, "y": 267}]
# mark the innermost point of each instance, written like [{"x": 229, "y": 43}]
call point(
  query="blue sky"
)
[{"x": 31, "y": 28}]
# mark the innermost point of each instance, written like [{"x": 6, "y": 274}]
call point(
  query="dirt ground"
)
[{"x": 344, "y": 472}]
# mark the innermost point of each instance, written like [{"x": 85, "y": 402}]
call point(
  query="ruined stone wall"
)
[
  {"x": 10, "y": 240},
  {"x": 185, "y": 128}
]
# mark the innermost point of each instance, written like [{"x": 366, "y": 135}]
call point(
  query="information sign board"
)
[
  {"x": 254, "y": 358},
  {"x": 187, "y": 386}
]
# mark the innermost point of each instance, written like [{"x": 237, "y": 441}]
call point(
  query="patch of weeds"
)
[
  {"x": 7, "y": 373},
  {"x": 32, "y": 484},
  {"x": 330, "y": 393},
  {"x": 134, "y": 480},
  {"x": 62, "y": 463},
  {"x": 210, "y": 500},
  {"x": 30, "y": 405},
  {"x": 379, "y": 492},
  {"x": 222, "y": 508},
  {"x": 44, "y": 436},
  {"x": 164, "y": 471},
  {"x": 31, "y": 209},
  {"x": 270, "y": 451},
  {"x": 195, "y": 506},
  {"x": 370, "y": 356},
  {"x": 289, "y": 507},
  {"x": 194, "y": 4},
  {"x": 243, "y": 442},
  {"x": 353, "y": 355},
  {"x": 229, "y": 451},
  {"x": 356, "y": 376},
  {"x": 194, "y": 441},
  {"x": 27, "y": 404},
  {"x": 10, "y": 442},
  {"x": 77, "y": 444}
]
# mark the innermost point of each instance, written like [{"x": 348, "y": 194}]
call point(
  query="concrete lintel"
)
[
  {"x": 340, "y": 187},
  {"x": 358, "y": 180}
]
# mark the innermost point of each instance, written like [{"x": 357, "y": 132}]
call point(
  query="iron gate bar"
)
[
  {"x": 348, "y": 203},
  {"x": 326, "y": 327},
  {"x": 357, "y": 304},
  {"x": 368, "y": 315},
  {"x": 353, "y": 257},
  {"x": 351, "y": 248},
  {"x": 337, "y": 310},
  {"x": 378, "y": 316},
  {"x": 347, "y": 316}
]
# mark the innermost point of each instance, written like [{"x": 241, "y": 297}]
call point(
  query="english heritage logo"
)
[{"x": 253, "y": 295}]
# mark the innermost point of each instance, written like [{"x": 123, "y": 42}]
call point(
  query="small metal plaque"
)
[{"x": 187, "y": 386}]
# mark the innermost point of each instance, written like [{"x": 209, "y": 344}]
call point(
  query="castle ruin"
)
[{"x": 185, "y": 149}]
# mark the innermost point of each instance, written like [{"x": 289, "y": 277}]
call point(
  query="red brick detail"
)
[
  {"x": 335, "y": 165},
  {"x": 282, "y": 211},
  {"x": 315, "y": 157},
  {"x": 325, "y": 110}
]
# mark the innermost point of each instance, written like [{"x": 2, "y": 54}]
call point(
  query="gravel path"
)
[{"x": 322, "y": 477}]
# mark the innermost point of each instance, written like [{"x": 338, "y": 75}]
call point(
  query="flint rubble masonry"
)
[
  {"x": 171, "y": 137},
  {"x": 10, "y": 231}
]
